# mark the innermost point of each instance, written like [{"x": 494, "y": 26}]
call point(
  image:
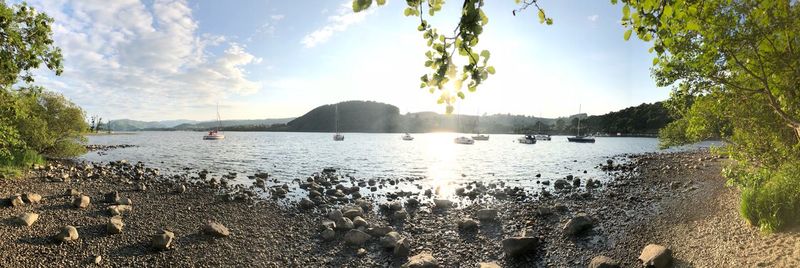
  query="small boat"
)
[
  {"x": 542, "y": 137},
  {"x": 527, "y": 139},
  {"x": 338, "y": 136},
  {"x": 464, "y": 140},
  {"x": 480, "y": 137},
  {"x": 214, "y": 134},
  {"x": 578, "y": 138},
  {"x": 407, "y": 137}
]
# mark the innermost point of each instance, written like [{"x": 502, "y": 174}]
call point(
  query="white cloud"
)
[
  {"x": 343, "y": 19},
  {"x": 125, "y": 58},
  {"x": 593, "y": 17}
]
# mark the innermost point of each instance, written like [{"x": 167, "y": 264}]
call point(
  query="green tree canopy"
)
[{"x": 25, "y": 44}]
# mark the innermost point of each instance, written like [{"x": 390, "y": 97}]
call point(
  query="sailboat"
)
[
  {"x": 479, "y": 136},
  {"x": 214, "y": 134},
  {"x": 579, "y": 138},
  {"x": 462, "y": 139},
  {"x": 406, "y": 136},
  {"x": 541, "y": 136},
  {"x": 338, "y": 136}
]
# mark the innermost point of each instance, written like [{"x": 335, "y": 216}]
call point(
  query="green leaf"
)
[
  {"x": 408, "y": 11},
  {"x": 541, "y": 16},
  {"x": 485, "y": 54},
  {"x": 626, "y": 12},
  {"x": 484, "y": 18},
  {"x": 460, "y": 95},
  {"x": 667, "y": 11},
  {"x": 360, "y": 5},
  {"x": 628, "y": 34},
  {"x": 490, "y": 69},
  {"x": 655, "y": 60},
  {"x": 381, "y": 2},
  {"x": 449, "y": 109},
  {"x": 548, "y": 21}
]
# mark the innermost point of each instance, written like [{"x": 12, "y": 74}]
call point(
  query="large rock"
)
[
  {"x": 73, "y": 192},
  {"x": 560, "y": 184},
  {"x": 344, "y": 224},
  {"x": 486, "y": 214},
  {"x": 518, "y": 246},
  {"x": 603, "y": 262},
  {"x": 27, "y": 219},
  {"x": 116, "y": 210},
  {"x": 390, "y": 240},
  {"x": 335, "y": 215},
  {"x": 32, "y": 198},
  {"x": 306, "y": 204},
  {"x": 352, "y": 212},
  {"x": 16, "y": 201},
  {"x": 124, "y": 201},
  {"x": 67, "y": 233},
  {"x": 358, "y": 221},
  {"x": 577, "y": 225},
  {"x": 356, "y": 237},
  {"x": 380, "y": 230},
  {"x": 216, "y": 229},
  {"x": 422, "y": 260},
  {"x": 488, "y": 265},
  {"x": 162, "y": 240},
  {"x": 81, "y": 202},
  {"x": 467, "y": 224},
  {"x": 115, "y": 225},
  {"x": 328, "y": 234},
  {"x": 402, "y": 248},
  {"x": 443, "y": 203},
  {"x": 656, "y": 256}
]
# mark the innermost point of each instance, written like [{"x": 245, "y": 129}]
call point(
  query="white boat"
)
[
  {"x": 214, "y": 134},
  {"x": 480, "y": 137},
  {"x": 407, "y": 137},
  {"x": 464, "y": 140},
  {"x": 338, "y": 136},
  {"x": 542, "y": 137},
  {"x": 527, "y": 139},
  {"x": 578, "y": 138}
]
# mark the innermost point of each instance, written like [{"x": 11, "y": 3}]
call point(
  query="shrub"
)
[{"x": 774, "y": 203}]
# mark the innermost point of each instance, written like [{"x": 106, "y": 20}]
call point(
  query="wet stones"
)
[
  {"x": 115, "y": 225},
  {"x": 356, "y": 237},
  {"x": 656, "y": 256},
  {"x": 486, "y": 214},
  {"x": 27, "y": 219},
  {"x": 422, "y": 260},
  {"x": 577, "y": 225},
  {"x": 162, "y": 240},
  {"x": 215, "y": 229},
  {"x": 518, "y": 246},
  {"x": 603, "y": 262},
  {"x": 66, "y": 234},
  {"x": 81, "y": 202}
]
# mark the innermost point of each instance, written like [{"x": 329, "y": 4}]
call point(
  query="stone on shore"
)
[
  {"x": 352, "y": 212},
  {"x": 216, "y": 229},
  {"x": 27, "y": 219},
  {"x": 488, "y": 265},
  {"x": 518, "y": 246},
  {"x": 656, "y": 256},
  {"x": 180, "y": 189},
  {"x": 390, "y": 240},
  {"x": 380, "y": 230},
  {"x": 112, "y": 197},
  {"x": 73, "y": 192},
  {"x": 486, "y": 214},
  {"x": 81, "y": 202},
  {"x": 443, "y": 203},
  {"x": 306, "y": 204},
  {"x": 328, "y": 234},
  {"x": 402, "y": 248},
  {"x": 467, "y": 224},
  {"x": 422, "y": 260},
  {"x": 358, "y": 221},
  {"x": 124, "y": 201},
  {"x": 560, "y": 184},
  {"x": 141, "y": 187},
  {"x": 16, "y": 201},
  {"x": 335, "y": 215},
  {"x": 577, "y": 225},
  {"x": 67, "y": 233},
  {"x": 116, "y": 210},
  {"x": 115, "y": 225},
  {"x": 162, "y": 240},
  {"x": 32, "y": 198},
  {"x": 603, "y": 262},
  {"x": 356, "y": 237},
  {"x": 344, "y": 224}
]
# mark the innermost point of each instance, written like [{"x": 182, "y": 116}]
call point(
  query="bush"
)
[
  {"x": 12, "y": 165},
  {"x": 772, "y": 201}
]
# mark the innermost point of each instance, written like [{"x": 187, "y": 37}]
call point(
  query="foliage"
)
[
  {"x": 643, "y": 119},
  {"x": 735, "y": 67},
  {"x": 440, "y": 57},
  {"x": 49, "y": 123},
  {"x": 25, "y": 44}
]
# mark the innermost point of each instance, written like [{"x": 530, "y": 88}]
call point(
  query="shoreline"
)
[{"x": 639, "y": 206}]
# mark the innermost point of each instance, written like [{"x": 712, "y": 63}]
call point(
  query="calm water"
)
[{"x": 289, "y": 156}]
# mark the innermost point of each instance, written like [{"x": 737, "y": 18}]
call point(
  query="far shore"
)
[{"x": 677, "y": 200}]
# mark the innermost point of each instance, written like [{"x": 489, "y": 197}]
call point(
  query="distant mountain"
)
[
  {"x": 232, "y": 123},
  {"x": 173, "y": 123},
  {"x": 353, "y": 116},
  {"x": 134, "y": 125}
]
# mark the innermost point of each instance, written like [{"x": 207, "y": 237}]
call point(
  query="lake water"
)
[{"x": 288, "y": 156}]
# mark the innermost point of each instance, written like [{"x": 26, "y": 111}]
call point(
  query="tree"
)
[
  {"x": 464, "y": 39},
  {"x": 25, "y": 44},
  {"x": 49, "y": 124},
  {"x": 737, "y": 75}
]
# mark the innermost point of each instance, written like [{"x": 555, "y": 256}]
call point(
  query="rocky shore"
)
[{"x": 121, "y": 214}]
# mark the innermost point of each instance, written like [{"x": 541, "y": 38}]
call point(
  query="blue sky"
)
[{"x": 159, "y": 59}]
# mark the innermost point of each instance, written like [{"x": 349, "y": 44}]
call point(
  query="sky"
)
[{"x": 174, "y": 59}]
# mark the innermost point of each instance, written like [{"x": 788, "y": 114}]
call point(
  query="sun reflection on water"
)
[{"x": 445, "y": 167}]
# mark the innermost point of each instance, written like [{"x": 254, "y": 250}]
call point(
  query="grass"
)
[
  {"x": 773, "y": 205},
  {"x": 12, "y": 167}
]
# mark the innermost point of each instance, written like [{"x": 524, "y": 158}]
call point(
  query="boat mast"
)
[
  {"x": 336, "y": 117},
  {"x": 579, "y": 120},
  {"x": 219, "y": 120}
]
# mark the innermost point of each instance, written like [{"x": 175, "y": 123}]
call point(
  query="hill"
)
[{"x": 353, "y": 116}]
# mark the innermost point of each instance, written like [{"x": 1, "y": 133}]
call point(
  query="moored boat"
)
[
  {"x": 407, "y": 137},
  {"x": 464, "y": 140},
  {"x": 480, "y": 137},
  {"x": 527, "y": 139},
  {"x": 542, "y": 137},
  {"x": 578, "y": 138}
]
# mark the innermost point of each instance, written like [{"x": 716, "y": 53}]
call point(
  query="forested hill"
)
[
  {"x": 643, "y": 119},
  {"x": 353, "y": 116}
]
